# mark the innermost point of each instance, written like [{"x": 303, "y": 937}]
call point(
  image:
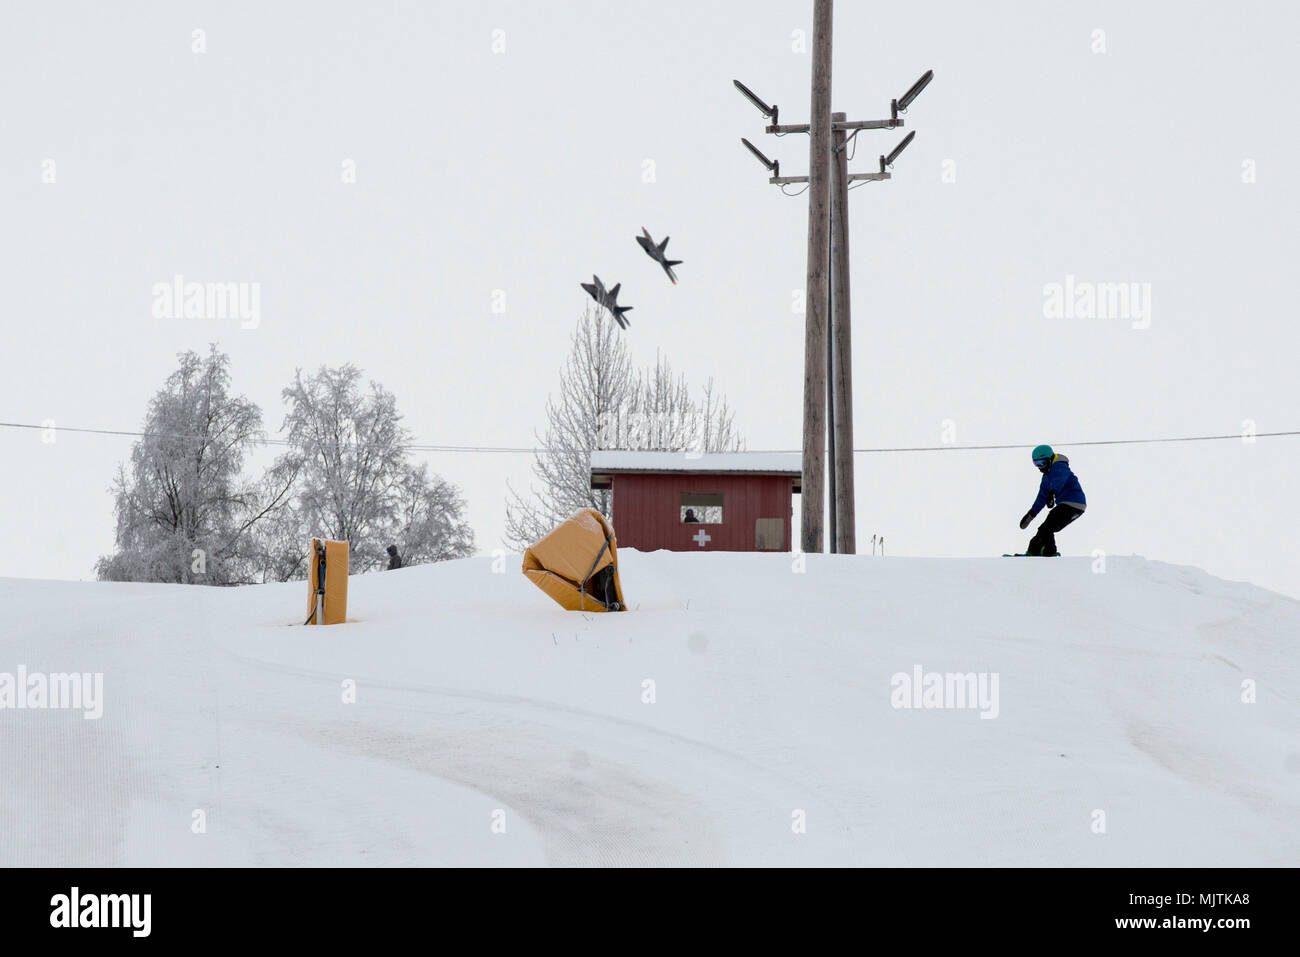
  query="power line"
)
[
  {"x": 1020, "y": 445},
  {"x": 517, "y": 450}
]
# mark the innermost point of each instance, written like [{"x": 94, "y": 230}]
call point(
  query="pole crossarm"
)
[
  {"x": 788, "y": 180},
  {"x": 843, "y": 126}
]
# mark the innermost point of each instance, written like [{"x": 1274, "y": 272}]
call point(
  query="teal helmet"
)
[{"x": 1043, "y": 454}]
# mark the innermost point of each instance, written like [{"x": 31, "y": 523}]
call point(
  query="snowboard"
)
[{"x": 1024, "y": 555}]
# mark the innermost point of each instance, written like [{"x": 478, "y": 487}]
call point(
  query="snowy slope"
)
[{"x": 1119, "y": 692}]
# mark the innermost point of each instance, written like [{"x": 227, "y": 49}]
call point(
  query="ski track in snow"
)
[{"x": 588, "y": 810}]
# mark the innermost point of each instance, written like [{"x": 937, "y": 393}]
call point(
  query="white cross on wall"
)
[{"x": 702, "y": 536}]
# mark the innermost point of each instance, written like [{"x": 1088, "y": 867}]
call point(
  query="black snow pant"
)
[{"x": 1044, "y": 540}]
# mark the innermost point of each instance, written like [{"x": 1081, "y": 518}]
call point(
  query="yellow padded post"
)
[{"x": 336, "y": 582}]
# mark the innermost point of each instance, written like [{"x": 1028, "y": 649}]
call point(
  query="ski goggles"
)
[{"x": 1042, "y": 463}]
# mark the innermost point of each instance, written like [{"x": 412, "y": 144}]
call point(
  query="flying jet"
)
[
  {"x": 607, "y": 298},
  {"x": 658, "y": 253}
]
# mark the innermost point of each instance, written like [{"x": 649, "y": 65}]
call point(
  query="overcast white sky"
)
[{"x": 523, "y": 171}]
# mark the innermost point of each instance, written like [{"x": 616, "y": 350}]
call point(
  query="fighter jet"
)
[
  {"x": 657, "y": 253},
  {"x": 607, "y": 298}
]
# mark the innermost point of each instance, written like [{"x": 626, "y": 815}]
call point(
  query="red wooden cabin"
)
[{"x": 718, "y": 501}]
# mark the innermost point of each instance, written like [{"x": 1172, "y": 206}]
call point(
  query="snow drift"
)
[{"x": 748, "y": 709}]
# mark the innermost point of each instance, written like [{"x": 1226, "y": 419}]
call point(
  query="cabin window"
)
[{"x": 704, "y": 508}]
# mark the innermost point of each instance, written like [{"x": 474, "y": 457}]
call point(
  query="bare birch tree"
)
[{"x": 604, "y": 404}]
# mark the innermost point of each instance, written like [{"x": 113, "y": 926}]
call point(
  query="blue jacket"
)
[{"x": 1063, "y": 482}]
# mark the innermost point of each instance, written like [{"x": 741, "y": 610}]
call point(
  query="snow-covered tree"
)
[
  {"x": 356, "y": 484},
  {"x": 278, "y": 552},
  {"x": 716, "y": 431},
  {"x": 184, "y": 510},
  {"x": 426, "y": 525},
  {"x": 604, "y": 404},
  {"x": 661, "y": 414}
]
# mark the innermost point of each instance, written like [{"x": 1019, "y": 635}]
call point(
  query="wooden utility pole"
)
[
  {"x": 832, "y": 540},
  {"x": 842, "y": 503},
  {"x": 813, "y": 493},
  {"x": 828, "y": 351}
]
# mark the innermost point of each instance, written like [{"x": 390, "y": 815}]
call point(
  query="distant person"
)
[
  {"x": 395, "y": 560},
  {"x": 1060, "y": 491},
  {"x": 690, "y": 516}
]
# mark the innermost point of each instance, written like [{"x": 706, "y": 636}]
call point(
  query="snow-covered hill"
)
[{"x": 491, "y": 727}]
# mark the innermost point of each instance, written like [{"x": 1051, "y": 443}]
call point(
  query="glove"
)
[
  {"x": 1029, "y": 517},
  {"x": 1051, "y": 500}
]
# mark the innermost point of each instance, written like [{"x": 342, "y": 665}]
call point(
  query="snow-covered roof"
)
[{"x": 754, "y": 463}]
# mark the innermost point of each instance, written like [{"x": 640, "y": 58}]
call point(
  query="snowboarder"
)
[
  {"x": 394, "y": 559},
  {"x": 1060, "y": 491}
]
